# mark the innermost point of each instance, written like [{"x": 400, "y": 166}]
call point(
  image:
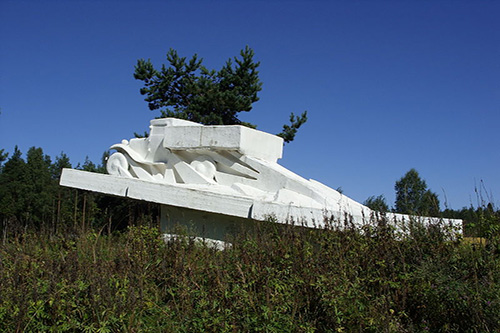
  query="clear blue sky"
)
[{"x": 389, "y": 85}]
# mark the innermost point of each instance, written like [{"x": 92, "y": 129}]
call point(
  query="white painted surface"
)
[{"x": 227, "y": 171}]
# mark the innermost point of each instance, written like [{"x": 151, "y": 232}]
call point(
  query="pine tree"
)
[
  {"x": 64, "y": 196},
  {"x": 62, "y": 161},
  {"x": 40, "y": 187},
  {"x": 188, "y": 90},
  {"x": 13, "y": 189}
]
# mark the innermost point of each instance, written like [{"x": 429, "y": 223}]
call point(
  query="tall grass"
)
[{"x": 277, "y": 279}]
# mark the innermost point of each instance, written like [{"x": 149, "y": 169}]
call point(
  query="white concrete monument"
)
[{"x": 218, "y": 179}]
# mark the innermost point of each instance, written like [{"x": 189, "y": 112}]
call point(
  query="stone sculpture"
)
[{"x": 216, "y": 179}]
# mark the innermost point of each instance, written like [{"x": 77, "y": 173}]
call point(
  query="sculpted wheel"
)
[{"x": 117, "y": 165}]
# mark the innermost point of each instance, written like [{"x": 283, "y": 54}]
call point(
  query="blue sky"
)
[{"x": 388, "y": 85}]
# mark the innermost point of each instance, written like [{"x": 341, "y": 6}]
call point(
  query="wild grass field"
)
[{"x": 277, "y": 279}]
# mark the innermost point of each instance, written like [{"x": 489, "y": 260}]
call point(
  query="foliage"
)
[
  {"x": 377, "y": 203},
  {"x": 481, "y": 221},
  {"x": 30, "y": 197},
  {"x": 289, "y": 131},
  {"x": 188, "y": 90},
  {"x": 12, "y": 186},
  {"x": 413, "y": 197},
  {"x": 274, "y": 279}
]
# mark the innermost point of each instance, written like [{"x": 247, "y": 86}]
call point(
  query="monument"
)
[{"x": 215, "y": 180}]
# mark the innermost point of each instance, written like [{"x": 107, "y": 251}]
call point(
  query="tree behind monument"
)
[
  {"x": 413, "y": 196},
  {"x": 188, "y": 90}
]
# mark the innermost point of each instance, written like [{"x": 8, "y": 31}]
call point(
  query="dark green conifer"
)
[{"x": 188, "y": 90}]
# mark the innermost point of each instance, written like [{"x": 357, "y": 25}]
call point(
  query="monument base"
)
[{"x": 203, "y": 225}]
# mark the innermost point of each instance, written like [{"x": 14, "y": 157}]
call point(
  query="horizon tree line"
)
[{"x": 31, "y": 197}]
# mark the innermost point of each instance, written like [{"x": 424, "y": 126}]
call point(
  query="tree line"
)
[
  {"x": 30, "y": 197},
  {"x": 413, "y": 197}
]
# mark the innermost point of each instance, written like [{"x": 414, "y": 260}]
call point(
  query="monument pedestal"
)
[{"x": 205, "y": 225}]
